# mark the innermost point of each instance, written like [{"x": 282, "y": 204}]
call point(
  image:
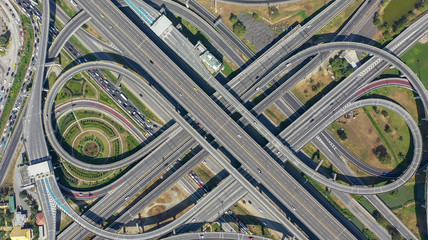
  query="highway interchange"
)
[{"x": 170, "y": 75}]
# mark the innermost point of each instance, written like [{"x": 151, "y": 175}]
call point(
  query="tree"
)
[
  {"x": 387, "y": 128},
  {"x": 376, "y": 110},
  {"x": 382, "y": 154},
  {"x": 384, "y": 113},
  {"x": 395, "y": 235},
  {"x": 342, "y": 134},
  {"x": 233, "y": 19},
  {"x": 376, "y": 214},
  {"x": 239, "y": 29}
]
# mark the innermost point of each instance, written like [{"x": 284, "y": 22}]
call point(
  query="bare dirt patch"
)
[
  {"x": 168, "y": 206},
  {"x": 155, "y": 210}
]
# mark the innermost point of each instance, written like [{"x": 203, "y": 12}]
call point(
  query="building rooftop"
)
[
  {"x": 211, "y": 61},
  {"x": 20, "y": 219},
  {"x": 40, "y": 169},
  {"x": 40, "y": 219},
  {"x": 20, "y": 234},
  {"x": 161, "y": 25},
  {"x": 12, "y": 204}
]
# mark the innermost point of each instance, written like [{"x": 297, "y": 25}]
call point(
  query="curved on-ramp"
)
[{"x": 56, "y": 145}]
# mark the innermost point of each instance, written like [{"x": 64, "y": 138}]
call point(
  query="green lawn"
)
[
  {"x": 417, "y": 59},
  {"x": 396, "y": 9}
]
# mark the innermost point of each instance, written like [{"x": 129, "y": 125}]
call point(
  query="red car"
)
[{"x": 7, "y": 90}]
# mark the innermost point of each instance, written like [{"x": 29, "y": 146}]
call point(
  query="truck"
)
[{"x": 124, "y": 97}]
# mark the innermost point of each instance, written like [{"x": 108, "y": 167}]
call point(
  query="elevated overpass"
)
[
  {"x": 214, "y": 235},
  {"x": 34, "y": 137},
  {"x": 311, "y": 119},
  {"x": 64, "y": 35}
]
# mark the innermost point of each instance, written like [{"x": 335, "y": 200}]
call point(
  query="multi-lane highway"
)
[
  {"x": 154, "y": 56},
  {"x": 131, "y": 41},
  {"x": 33, "y": 127}
]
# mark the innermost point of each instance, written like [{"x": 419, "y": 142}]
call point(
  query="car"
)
[
  {"x": 12, "y": 74},
  {"x": 198, "y": 124},
  {"x": 195, "y": 89},
  {"x": 260, "y": 210},
  {"x": 102, "y": 15},
  {"x": 255, "y": 123},
  {"x": 292, "y": 207},
  {"x": 257, "y": 88},
  {"x": 80, "y": 194},
  {"x": 111, "y": 26},
  {"x": 278, "y": 153},
  {"x": 180, "y": 94},
  {"x": 258, "y": 170},
  {"x": 238, "y": 135},
  {"x": 287, "y": 64},
  {"x": 127, "y": 197},
  {"x": 8, "y": 69},
  {"x": 250, "y": 202},
  {"x": 194, "y": 219}
]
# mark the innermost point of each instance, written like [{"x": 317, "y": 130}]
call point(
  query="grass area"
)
[
  {"x": 64, "y": 223},
  {"x": 417, "y": 59},
  {"x": 66, "y": 7},
  {"x": 66, "y": 60},
  {"x": 51, "y": 79},
  {"x": 94, "y": 32},
  {"x": 368, "y": 130},
  {"x": 139, "y": 105},
  {"x": 86, "y": 175},
  {"x": 94, "y": 123},
  {"x": 207, "y": 176},
  {"x": 337, "y": 22},
  {"x": 21, "y": 71},
  {"x": 252, "y": 222},
  {"x": 65, "y": 121},
  {"x": 258, "y": 97},
  {"x": 312, "y": 88},
  {"x": 71, "y": 181},
  {"x": 82, "y": 49},
  {"x": 397, "y": 138},
  {"x": 277, "y": 117},
  {"x": 280, "y": 16},
  {"x": 396, "y": 9},
  {"x": 406, "y": 203}
]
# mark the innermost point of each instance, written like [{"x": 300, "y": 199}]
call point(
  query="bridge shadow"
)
[{"x": 159, "y": 217}]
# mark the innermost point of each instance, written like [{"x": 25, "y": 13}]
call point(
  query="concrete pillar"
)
[
  {"x": 334, "y": 176},
  {"x": 187, "y": 3},
  {"x": 319, "y": 165}
]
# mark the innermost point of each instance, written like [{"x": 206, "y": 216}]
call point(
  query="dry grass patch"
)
[
  {"x": 362, "y": 138},
  {"x": 287, "y": 15},
  {"x": 168, "y": 206},
  {"x": 313, "y": 85},
  {"x": 340, "y": 19},
  {"x": 275, "y": 115}
]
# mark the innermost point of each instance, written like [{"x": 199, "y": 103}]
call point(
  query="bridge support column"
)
[
  {"x": 215, "y": 5},
  {"x": 417, "y": 97},
  {"x": 334, "y": 176},
  {"x": 424, "y": 206},
  {"x": 187, "y": 3},
  {"x": 319, "y": 165}
]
